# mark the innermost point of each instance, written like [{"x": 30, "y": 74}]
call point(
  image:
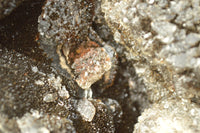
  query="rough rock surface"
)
[
  {"x": 27, "y": 86},
  {"x": 67, "y": 35},
  {"x": 63, "y": 23},
  {"x": 29, "y": 83},
  {"x": 162, "y": 39},
  {"x": 157, "y": 75},
  {"x": 171, "y": 115}
]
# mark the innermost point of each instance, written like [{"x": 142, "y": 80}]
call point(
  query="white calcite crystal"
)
[
  {"x": 63, "y": 93},
  {"x": 50, "y": 97},
  {"x": 30, "y": 123},
  {"x": 170, "y": 116},
  {"x": 86, "y": 109}
]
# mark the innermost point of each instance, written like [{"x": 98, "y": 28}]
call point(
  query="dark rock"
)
[{"x": 7, "y": 6}]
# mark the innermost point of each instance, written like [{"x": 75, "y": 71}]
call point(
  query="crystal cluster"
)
[
  {"x": 172, "y": 115},
  {"x": 162, "y": 37}
]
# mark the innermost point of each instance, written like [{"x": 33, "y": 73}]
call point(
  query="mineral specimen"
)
[
  {"x": 27, "y": 79},
  {"x": 160, "y": 48},
  {"x": 162, "y": 38},
  {"x": 102, "y": 121},
  {"x": 86, "y": 109},
  {"x": 50, "y": 97},
  {"x": 170, "y": 115},
  {"x": 36, "y": 122},
  {"x": 27, "y": 107},
  {"x": 90, "y": 67},
  {"x": 66, "y": 35},
  {"x": 63, "y": 93}
]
